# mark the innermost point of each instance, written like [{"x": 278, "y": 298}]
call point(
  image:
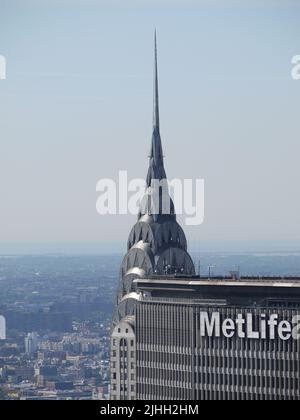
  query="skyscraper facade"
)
[
  {"x": 31, "y": 343},
  {"x": 218, "y": 338},
  {"x": 156, "y": 245}
]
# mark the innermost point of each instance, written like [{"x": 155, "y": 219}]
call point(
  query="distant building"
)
[
  {"x": 31, "y": 343},
  {"x": 48, "y": 371},
  {"x": 2, "y": 328},
  {"x": 64, "y": 385},
  {"x": 24, "y": 373},
  {"x": 218, "y": 338},
  {"x": 99, "y": 393}
]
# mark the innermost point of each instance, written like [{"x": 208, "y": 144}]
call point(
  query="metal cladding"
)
[
  {"x": 215, "y": 339},
  {"x": 157, "y": 243}
]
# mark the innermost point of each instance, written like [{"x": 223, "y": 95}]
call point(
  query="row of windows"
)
[
  {"x": 122, "y": 365},
  {"x": 123, "y": 354},
  {"x": 123, "y": 376},
  {"x": 165, "y": 375},
  {"x": 180, "y": 377},
  {"x": 246, "y": 344},
  {"x": 158, "y": 392},
  {"x": 151, "y": 392},
  {"x": 251, "y": 380},
  {"x": 245, "y": 363},
  {"x": 126, "y": 330},
  {"x": 230, "y": 396},
  {"x": 123, "y": 342},
  {"x": 123, "y": 388},
  {"x": 163, "y": 357}
]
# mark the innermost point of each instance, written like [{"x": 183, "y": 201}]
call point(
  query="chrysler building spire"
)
[
  {"x": 156, "y": 164},
  {"x": 156, "y": 98},
  {"x": 156, "y": 246}
]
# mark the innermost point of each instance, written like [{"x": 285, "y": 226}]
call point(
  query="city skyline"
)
[{"x": 150, "y": 235}]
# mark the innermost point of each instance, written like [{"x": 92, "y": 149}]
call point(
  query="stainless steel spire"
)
[
  {"x": 156, "y": 164},
  {"x": 155, "y": 97},
  {"x": 156, "y": 244}
]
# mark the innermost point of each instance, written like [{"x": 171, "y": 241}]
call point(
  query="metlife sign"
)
[{"x": 246, "y": 326}]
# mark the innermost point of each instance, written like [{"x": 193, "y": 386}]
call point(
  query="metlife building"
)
[{"x": 218, "y": 338}]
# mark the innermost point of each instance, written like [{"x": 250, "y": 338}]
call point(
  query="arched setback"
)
[{"x": 122, "y": 361}]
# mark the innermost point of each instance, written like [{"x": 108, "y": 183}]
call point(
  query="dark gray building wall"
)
[{"x": 175, "y": 362}]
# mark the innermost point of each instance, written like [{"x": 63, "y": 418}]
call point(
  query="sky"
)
[{"x": 76, "y": 106}]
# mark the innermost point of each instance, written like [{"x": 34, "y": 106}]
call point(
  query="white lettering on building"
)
[{"x": 247, "y": 325}]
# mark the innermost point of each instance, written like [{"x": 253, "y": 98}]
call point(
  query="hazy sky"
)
[{"x": 77, "y": 106}]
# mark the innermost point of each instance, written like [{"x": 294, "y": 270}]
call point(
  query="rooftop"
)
[{"x": 254, "y": 281}]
